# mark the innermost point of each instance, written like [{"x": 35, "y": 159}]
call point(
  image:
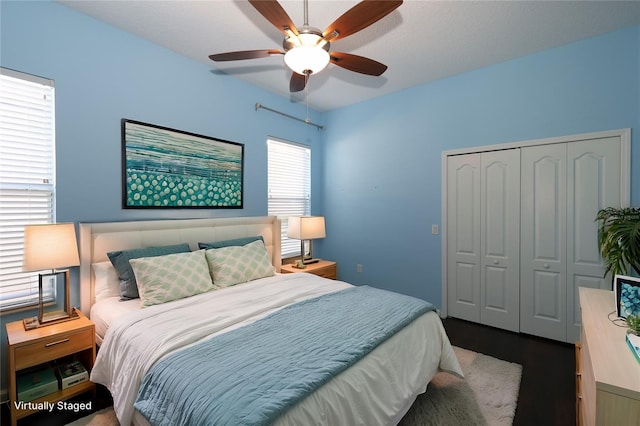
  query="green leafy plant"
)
[
  {"x": 619, "y": 239},
  {"x": 633, "y": 321}
]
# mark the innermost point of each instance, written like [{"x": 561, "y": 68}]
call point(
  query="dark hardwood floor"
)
[{"x": 547, "y": 390}]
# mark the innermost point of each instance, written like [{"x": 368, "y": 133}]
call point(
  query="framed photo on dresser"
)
[{"x": 627, "y": 291}]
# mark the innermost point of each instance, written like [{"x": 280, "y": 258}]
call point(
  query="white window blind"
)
[
  {"x": 27, "y": 149},
  {"x": 289, "y": 187}
]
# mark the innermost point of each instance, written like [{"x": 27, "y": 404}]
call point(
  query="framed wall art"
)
[{"x": 168, "y": 168}]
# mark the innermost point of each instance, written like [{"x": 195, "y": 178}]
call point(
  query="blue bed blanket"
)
[{"x": 251, "y": 375}]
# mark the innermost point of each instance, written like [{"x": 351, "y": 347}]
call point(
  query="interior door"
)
[
  {"x": 500, "y": 239},
  {"x": 463, "y": 236},
  {"x": 543, "y": 267},
  {"x": 593, "y": 183}
]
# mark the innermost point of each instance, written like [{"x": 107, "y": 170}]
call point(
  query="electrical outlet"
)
[
  {"x": 434, "y": 229},
  {"x": 359, "y": 268}
]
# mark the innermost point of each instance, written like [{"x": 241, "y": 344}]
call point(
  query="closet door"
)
[
  {"x": 463, "y": 236},
  {"x": 593, "y": 183},
  {"x": 563, "y": 187},
  {"x": 543, "y": 267},
  {"x": 500, "y": 239},
  {"x": 483, "y": 238}
]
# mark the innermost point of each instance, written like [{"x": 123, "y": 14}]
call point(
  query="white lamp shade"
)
[
  {"x": 303, "y": 58},
  {"x": 306, "y": 227},
  {"x": 50, "y": 246}
]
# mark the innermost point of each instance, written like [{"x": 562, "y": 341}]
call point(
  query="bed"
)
[{"x": 140, "y": 346}]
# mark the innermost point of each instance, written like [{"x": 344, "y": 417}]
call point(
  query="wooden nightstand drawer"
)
[{"x": 52, "y": 348}]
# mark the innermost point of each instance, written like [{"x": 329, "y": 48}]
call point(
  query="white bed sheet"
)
[
  {"x": 109, "y": 310},
  {"x": 382, "y": 385}
]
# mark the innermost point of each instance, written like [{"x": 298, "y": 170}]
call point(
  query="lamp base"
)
[
  {"x": 55, "y": 318},
  {"x": 310, "y": 261}
]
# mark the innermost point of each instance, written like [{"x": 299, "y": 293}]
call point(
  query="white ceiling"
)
[{"x": 421, "y": 41}]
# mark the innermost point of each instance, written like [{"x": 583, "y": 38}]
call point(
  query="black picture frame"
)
[
  {"x": 164, "y": 168},
  {"x": 626, "y": 288}
]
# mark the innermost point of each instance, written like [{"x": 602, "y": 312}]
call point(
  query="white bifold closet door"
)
[
  {"x": 563, "y": 187},
  {"x": 544, "y": 245},
  {"x": 483, "y": 209}
]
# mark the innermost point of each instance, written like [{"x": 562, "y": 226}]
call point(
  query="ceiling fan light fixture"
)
[
  {"x": 307, "y": 59},
  {"x": 306, "y": 49}
]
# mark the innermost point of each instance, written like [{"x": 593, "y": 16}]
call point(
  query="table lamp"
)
[
  {"x": 50, "y": 246},
  {"x": 306, "y": 228}
]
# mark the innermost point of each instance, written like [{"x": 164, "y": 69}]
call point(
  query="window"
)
[
  {"x": 289, "y": 187},
  {"x": 27, "y": 137}
]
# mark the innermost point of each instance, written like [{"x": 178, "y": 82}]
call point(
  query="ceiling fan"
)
[{"x": 306, "y": 50}]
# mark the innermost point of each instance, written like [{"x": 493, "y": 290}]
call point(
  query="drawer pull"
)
[{"x": 56, "y": 343}]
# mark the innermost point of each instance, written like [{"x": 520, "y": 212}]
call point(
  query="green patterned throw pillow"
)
[
  {"x": 174, "y": 276},
  {"x": 234, "y": 265}
]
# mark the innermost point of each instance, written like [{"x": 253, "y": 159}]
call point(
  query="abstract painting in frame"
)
[{"x": 168, "y": 168}]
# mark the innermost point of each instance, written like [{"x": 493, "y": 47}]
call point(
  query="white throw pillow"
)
[
  {"x": 170, "y": 277},
  {"x": 106, "y": 282},
  {"x": 234, "y": 265}
]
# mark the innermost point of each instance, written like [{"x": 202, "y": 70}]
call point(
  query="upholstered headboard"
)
[{"x": 97, "y": 239}]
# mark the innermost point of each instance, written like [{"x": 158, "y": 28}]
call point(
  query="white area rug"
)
[
  {"x": 105, "y": 417},
  {"x": 487, "y": 396}
]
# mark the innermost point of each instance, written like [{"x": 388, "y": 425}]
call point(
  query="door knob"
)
[{"x": 546, "y": 266}]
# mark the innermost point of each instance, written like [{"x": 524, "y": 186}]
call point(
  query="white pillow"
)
[
  {"x": 162, "y": 279},
  {"x": 106, "y": 282},
  {"x": 234, "y": 265}
]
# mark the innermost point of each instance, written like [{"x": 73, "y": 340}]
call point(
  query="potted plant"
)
[
  {"x": 633, "y": 321},
  {"x": 619, "y": 239}
]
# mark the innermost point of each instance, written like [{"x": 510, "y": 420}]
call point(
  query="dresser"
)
[{"x": 608, "y": 375}]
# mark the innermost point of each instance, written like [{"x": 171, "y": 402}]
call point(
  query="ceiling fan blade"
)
[
  {"x": 298, "y": 82},
  {"x": 275, "y": 14},
  {"x": 244, "y": 54},
  {"x": 358, "y": 63},
  {"x": 358, "y": 17}
]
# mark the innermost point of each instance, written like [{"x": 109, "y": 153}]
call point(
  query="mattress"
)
[
  {"x": 108, "y": 310},
  {"x": 393, "y": 374}
]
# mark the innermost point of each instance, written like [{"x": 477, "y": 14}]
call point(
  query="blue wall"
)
[{"x": 382, "y": 170}]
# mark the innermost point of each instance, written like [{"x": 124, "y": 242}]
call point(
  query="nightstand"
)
[
  {"x": 42, "y": 347},
  {"x": 322, "y": 268}
]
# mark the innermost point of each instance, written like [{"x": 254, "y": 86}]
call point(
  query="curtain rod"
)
[{"x": 307, "y": 121}]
